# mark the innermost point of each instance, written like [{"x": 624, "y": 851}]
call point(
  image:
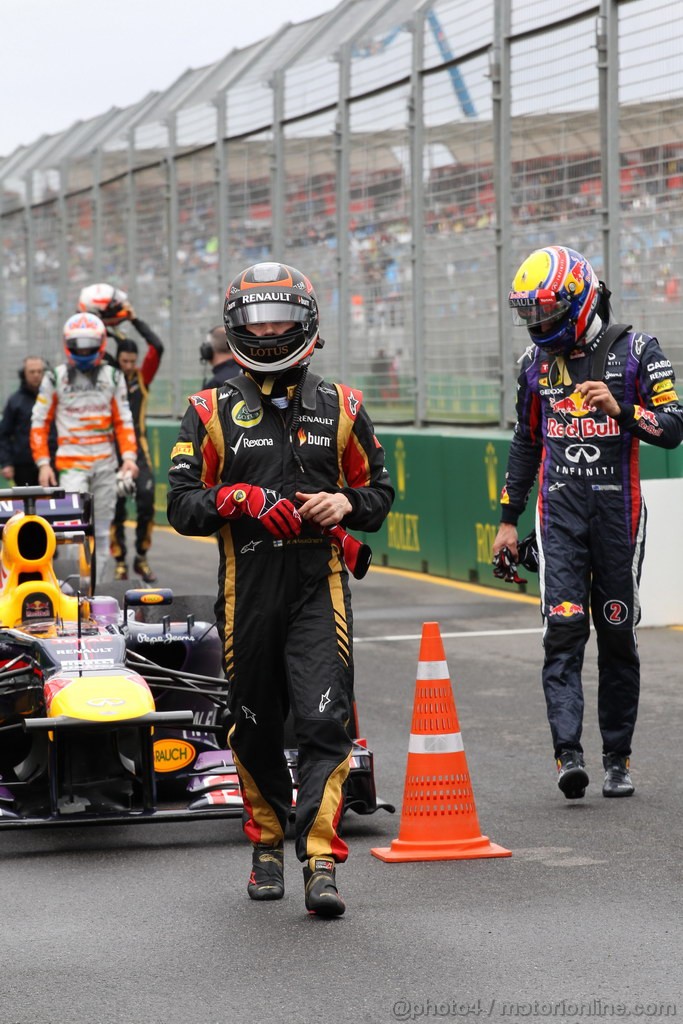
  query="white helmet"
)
[
  {"x": 108, "y": 303},
  {"x": 85, "y": 339}
]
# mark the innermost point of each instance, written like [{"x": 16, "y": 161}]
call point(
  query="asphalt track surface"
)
[{"x": 152, "y": 924}]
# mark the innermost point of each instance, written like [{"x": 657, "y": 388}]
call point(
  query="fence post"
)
[
  {"x": 30, "y": 265},
  {"x": 343, "y": 156},
  {"x": 502, "y": 169},
  {"x": 222, "y": 194},
  {"x": 64, "y": 300},
  {"x": 277, "y": 168},
  {"x": 98, "y": 262},
  {"x": 132, "y": 226},
  {"x": 172, "y": 215},
  {"x": 417, "y": 202},
  {"x": 607, "y": 40}
]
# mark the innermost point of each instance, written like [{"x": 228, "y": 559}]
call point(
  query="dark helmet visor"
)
[{"x": 267, "y": 312}]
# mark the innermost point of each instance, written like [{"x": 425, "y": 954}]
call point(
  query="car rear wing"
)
[{"x": 65, "y": 512}]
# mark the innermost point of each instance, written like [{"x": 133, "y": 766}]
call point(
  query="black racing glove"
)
[
  {"x": 505, "y": 567},
  {"x": 527, "y": 552}
]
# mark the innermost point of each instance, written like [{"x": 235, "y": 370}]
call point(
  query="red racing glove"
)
[
  {"x": 277, "y": 514},
  {"x": 356, "y": 554}
]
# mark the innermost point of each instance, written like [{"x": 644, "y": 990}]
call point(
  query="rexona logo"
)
[{"x": 172, "y": 755}]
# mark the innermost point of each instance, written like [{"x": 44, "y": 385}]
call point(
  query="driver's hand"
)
[
  {"x": 47, "y": 477},
  {"x": 128, "y": 466},
  {"x": 323, "y": 509}
]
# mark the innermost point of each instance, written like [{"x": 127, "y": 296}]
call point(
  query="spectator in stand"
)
[
  {"x": 16, "y": 460},
  {"x": 217, "y": 354}
]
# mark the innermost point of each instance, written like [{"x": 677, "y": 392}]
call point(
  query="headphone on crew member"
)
[{"x": 21, "y": 372}]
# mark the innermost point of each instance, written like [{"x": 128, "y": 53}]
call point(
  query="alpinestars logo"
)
[
  {"x": 199, "y": 400},
  {"x": 353, "y": 403},
  {"x": 251, "y": 546},
  {"x": 249, "y": 714},
  {"x": 325, "y": 699},
  {"x": 251, "y": 442}
]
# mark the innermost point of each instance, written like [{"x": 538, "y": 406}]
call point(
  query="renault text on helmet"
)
[
  {"x": 267, "y": 293},
  {"x": 85, "y": 339},
  {"x": 555, "y": 295}
]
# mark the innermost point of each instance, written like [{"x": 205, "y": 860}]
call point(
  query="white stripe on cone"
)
[
  {"x": 432, "y": 670},
  {"x": 441, "y": 743}
]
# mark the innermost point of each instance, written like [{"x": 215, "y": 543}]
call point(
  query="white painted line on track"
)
[{"x": 445, "y": 636}]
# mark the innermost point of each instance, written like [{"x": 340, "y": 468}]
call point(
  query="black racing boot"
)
[
  {"x": 572, "y": 777},
  {"x": 322, "y": 895},
  {"x": 142, "y": 567},
  {"x": 267, "y": 879},
  {"x": 618, "y": 780}
]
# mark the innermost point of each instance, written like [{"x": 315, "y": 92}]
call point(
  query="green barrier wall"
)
[{"x": 447, "y": 482}]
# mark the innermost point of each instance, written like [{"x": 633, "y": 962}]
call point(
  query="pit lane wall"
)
[{"x": 445, "y": 515}]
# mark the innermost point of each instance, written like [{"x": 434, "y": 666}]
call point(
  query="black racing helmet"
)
[{"x": 267, "y": 293}]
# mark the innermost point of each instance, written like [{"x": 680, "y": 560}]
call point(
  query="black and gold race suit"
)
[
  {"x": 137, "y": 384},
  {"x": 283, "y": 608}
]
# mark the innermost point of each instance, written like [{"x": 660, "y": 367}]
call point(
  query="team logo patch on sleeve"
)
[{"x": 182, "y": 448}]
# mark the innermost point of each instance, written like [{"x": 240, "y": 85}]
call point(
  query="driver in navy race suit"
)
[
  {"x": 269, "y": 461},
  {"x": 581, "y": 436}
]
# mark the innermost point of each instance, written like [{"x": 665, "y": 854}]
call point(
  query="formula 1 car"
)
[{"x": 109, "y": 713}]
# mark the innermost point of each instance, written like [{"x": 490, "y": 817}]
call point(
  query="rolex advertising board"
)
[{"x": 446, "y": 512}]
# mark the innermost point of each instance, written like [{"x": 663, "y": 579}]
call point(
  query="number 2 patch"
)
[{"x": 615, "y": 612}]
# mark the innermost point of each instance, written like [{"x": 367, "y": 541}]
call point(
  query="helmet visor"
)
[
  {"x": 83, "y": 345},
  {"x": 534, "y": 308},
  {"x": 267, "y": 312}
]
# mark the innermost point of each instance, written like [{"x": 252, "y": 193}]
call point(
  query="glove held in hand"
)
[
  {"x": 277, "y": 514},
  {"x": 505, "y": 567}
]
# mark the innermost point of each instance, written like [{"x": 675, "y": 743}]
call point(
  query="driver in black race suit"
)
[
  {"x": 590, "y": 519},
  {"x": 268, "y": 460}
]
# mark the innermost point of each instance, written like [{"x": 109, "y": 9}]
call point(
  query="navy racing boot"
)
[
  {"x": 572, "y": 777},
  {"x": 618, "y": 781}
]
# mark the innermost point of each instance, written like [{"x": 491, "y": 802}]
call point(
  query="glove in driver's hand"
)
[
  {"x": 276, "y": 513},
  {"x": 505, "y": 567}
]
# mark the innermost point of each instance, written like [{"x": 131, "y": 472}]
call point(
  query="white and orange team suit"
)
[{"x": 87, "y": 397}]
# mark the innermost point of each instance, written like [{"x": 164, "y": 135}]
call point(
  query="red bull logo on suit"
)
[
  {"x": 583, "y": 428},
  {"x": 566, "y": 609}
]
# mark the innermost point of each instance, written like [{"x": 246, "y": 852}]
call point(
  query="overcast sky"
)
[{"x": 67, "y": 60}]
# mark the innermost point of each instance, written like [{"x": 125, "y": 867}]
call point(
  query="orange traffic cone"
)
[{"x": 439, "y": 818}]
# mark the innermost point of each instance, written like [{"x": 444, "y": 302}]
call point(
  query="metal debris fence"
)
[{"x": 406, "y": 156}]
